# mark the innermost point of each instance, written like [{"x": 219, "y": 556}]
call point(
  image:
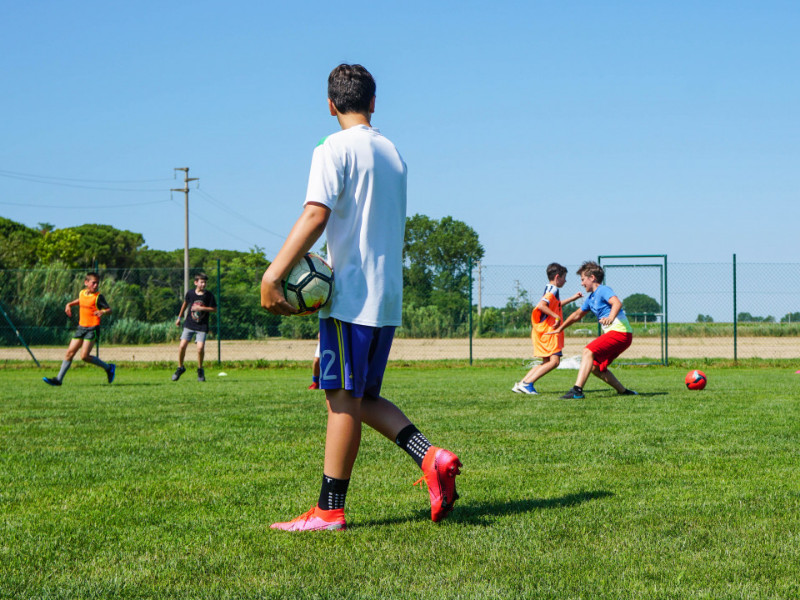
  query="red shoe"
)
[
  {"x": 440, "y": 468},
  {"x": 314, "y": 386},
  {"x": 315, "y": 519}
]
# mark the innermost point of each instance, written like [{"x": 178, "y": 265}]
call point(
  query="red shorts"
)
[{"x": 608, "y": 347}]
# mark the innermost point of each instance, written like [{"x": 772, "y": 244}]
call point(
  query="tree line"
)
[{"x": 42, "y": 268}]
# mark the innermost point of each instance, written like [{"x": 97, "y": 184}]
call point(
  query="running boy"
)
[
  {"x": 202, "y": 303},
  {"x": 545, "y": 316},
  {"x": 93, "y": 307},
  {"x": 357, "y": 190},
  {"x": 617, "y": 331}
]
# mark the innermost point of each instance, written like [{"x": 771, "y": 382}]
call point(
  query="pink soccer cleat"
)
[
  {"x": 439, "y": 468},
  {"x": 315, "y": 519}
]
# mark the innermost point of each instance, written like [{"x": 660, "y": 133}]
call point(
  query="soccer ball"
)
[
  {"x": 696, "y": 380},
  {"x": 309, "y": 285}
]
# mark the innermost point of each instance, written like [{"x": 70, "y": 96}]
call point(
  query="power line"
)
[
  {"x": 53, "y": 177},
  {"x": 228, "y": 210},
  {"x": 92, "y": 207},
  {"x": 216, "y": 226}
]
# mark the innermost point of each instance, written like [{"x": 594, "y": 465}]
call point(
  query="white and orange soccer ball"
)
[
  {"x": 696, "y": 380},
  {"x": 309, "y": 285}
]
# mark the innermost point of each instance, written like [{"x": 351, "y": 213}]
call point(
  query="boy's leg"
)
[
  {"x": 548, "y": 364},
  {"x": 597, "y": 356},
  {"x": 439, "y": 466},
  {"x": 74, "y": 345},
  {"x": 184, "y": 343},
  {"x": 86, "y": 356},
  {"x": 182, "y": 351},
  {"x": 72, "y": 350},
  {"x": 587, "y": 365},
  {"x": 343, "y": 436},
  {"x": 201, "y": 353},
  {"x": 610, "y": 379}
]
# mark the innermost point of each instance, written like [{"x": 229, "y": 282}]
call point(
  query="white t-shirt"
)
[{"x": 361, "y": 177}]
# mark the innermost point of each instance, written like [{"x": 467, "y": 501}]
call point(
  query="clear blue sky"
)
[{"x": 557, "y": 130}]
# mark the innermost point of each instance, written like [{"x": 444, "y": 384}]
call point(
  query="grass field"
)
[{"x": 153, "y": 489}]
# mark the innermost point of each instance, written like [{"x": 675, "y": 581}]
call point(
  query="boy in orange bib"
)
[
  {"x": 92, "y": 307},
  {"x": 546, "y": 316}
]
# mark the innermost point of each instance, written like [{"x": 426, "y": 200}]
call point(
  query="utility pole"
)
[{"x": 185, "y": 190}]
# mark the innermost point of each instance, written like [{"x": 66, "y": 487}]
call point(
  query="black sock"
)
[
  {"x": 577, "y": 388},
  {"x": 412, "y": 441},
  {"x": 333, "y": 493}
]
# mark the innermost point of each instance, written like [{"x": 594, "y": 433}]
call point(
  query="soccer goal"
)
[{"x": 640, "y": 281}]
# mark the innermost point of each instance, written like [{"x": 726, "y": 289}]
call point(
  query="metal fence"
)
[
  {"x": 705, "y": 310},
  {"x": 698, "y": 310}
]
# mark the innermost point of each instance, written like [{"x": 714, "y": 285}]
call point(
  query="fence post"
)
[
  {"x": 735, "y": 315},
  {"x": 219, "y": 315},
  {"x": 666, "y": 314},
  {"x": 469, "y": 267},
  {"x": 97, "y": 342}
]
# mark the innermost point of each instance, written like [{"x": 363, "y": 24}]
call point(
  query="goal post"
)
[{"x": 645, "y": 274}]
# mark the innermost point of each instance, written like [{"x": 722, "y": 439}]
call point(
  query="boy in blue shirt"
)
[
  {"x": 617, "y": 331},
  {"x": 357, "y": 194}
]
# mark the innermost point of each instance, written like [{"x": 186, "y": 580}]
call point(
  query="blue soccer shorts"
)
[{"x": 353, "y": 357}]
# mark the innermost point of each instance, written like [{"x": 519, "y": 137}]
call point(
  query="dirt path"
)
[{"x": 404, "y": 349}]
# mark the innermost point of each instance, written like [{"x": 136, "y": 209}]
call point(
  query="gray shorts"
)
[
  {"x": 188, "y": 334},
  {"x": 85, "y": 333}
]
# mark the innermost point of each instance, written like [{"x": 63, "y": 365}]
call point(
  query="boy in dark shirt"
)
[{"x": 200, "y": 303}]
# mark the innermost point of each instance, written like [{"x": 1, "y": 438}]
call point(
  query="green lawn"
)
[{"x": 152, "y": 489}]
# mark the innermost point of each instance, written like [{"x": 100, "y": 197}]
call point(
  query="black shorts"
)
[{"x": 85, "y": 333}]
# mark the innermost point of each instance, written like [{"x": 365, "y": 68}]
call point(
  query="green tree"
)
[
  {"x": 641, "y": 308},
  {"x": 63, "y": 245},
  {"x": 704, "y": 319},
  {"x": 107, "y": 246},
  {"x": 746, "y": 317},
  {"x": 436, "y": 257},
  {"x": 17, "y": 245},
  {"x": 791, "y": 318}
]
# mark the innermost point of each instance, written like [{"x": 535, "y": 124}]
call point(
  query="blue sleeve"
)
[{"x": 586, "y": 306}]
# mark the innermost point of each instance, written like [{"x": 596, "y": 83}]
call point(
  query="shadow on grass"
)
[{"x": 483, "y": 513}]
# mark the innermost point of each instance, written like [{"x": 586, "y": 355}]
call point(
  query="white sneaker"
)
[{"x": 524, "y": 388}]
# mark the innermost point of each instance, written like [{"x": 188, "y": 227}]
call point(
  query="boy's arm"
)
[
  {"x": 180, "y": 314},
  {"x": 103, "y": 307},
  {"x": 304, "y": 234},
  {"x": 616, "y": 305},
  {"x": 572, "y": 298},
  {"x": 545, "y": 308},
  {"x": 576, "y": 316},
  {"x": 68, "y": 307}
]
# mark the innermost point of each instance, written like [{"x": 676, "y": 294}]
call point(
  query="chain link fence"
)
[
  {"x": 683, "y": 310},
  {"x": 678, "y": 310}
]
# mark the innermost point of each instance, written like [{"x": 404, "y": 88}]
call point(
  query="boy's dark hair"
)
[
  {"x": 555, "y": 269},
  {"x": 351, "y": 88},
  {"x": 591, "y": 268},
  {"x": 202, "y": 276},
  {"x": 92, "y": 274}
]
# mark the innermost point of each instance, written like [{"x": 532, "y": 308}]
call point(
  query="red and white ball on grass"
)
[
  {"x": 696, "y": 380},
  {"x": 309, "y": 285}
]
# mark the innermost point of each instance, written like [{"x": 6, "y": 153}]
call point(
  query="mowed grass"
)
[{"x": 152, "y": 489}]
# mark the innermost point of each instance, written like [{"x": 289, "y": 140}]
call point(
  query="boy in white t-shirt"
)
[{"x": 357, "y": 194}]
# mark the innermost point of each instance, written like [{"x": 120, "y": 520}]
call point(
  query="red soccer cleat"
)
[
  {"x": 440, "y": 468},
  {"x": 315, "y": 519},
  {"x": 314, "y": 386}
]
